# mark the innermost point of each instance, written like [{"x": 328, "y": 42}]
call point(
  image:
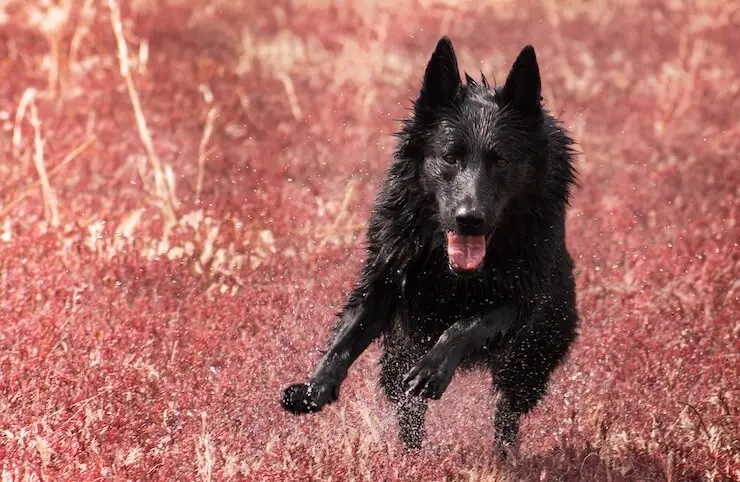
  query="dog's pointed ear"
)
[
  {"x": 469, "y": 80},
  {"x": 442, "y": 76},
  {"x": 523, "y": 84}
]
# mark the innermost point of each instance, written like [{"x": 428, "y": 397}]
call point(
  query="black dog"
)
[{"x": 466, "y": 261}]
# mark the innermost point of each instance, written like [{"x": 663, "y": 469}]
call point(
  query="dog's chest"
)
[{"x": 433, "y": 298}]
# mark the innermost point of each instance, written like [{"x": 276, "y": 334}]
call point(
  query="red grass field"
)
[{"x": 156, "y": 296}]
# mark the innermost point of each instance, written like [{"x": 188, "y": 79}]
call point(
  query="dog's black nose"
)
[{"x": 469, "y": 219}]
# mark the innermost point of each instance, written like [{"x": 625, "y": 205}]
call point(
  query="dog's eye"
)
[
  {"x": 500, "y": 162},
  {"x": 450, "y": 159}
]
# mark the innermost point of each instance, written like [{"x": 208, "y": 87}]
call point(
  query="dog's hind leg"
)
[
  {"x": 410, "y": 411},
  {"x": 411, "y": 414}
]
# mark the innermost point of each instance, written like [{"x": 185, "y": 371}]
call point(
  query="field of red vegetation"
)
[{"x": 183, "y": 192}]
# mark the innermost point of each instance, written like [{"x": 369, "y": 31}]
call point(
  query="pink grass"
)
[{"x": 127, "y": 354}]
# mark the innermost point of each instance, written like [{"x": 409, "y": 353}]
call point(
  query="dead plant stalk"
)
[
  {"x": 341, "y": 214},
  {"x": 67, "y": 159},
  {"x": 163, "y": 191},
  {"x": 295, "y": 107},
  {"x": 20, "y": 114},
  {"x": 202, "y": 152},
  {"x": 28, "y": 102},
  {"x": 51, "y": 210}
]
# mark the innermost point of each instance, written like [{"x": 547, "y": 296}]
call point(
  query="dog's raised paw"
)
[
  {"x": 308, "y": 397},
  {"x": 427, "y": 381},
  {"x": 297, "y": 399}
]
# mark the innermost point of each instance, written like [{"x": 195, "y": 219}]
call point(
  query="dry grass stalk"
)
[
  {"x": 204, "y": 451},
  {"x": 292, "y": 97},
  {"x": 51, "y": 211},
  {"x": 163, "y": 191},
  {"x": 67, "y": 159},
  {"x": 340, "y": 214},
  {"x": 143, "y": 57},
  {"x": 27, "y": 103},
  {"x": 20, "y": 114},
  {"x": 83, "y": 28},
  {"x": 51, "y": 18},
  {"x": 202, "y": 153},
  {"x": 54, "y": 79}
]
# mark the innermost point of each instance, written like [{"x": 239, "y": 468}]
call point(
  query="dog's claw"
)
[
  {"x": 414, "y": 386},
  {"x": 430, "y": 391},
  {"x": 410, "y": 376}
]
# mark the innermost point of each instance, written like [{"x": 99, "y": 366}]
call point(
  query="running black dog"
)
[{"x": 466, "y": 261}]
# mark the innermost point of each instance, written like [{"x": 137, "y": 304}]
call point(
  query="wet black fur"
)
[{"x": 466, "y": 147}]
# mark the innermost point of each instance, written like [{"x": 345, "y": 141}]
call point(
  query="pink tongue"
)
[{"x": 466, "y": 252}]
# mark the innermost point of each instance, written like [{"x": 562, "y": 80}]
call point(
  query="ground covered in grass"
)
[{"x": 176, "y": 235}]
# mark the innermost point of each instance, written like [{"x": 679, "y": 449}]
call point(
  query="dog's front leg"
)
[
  {"x": 433, "y": 372},
  {"x": 363, "y": 320}
]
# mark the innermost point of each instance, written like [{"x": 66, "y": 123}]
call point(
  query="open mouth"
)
[{"x": 465, "y": 253}]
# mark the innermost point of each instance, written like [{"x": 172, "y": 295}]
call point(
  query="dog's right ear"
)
[{"x": 441, "y": 78}]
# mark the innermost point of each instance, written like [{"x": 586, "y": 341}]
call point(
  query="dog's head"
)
[{"x": 479, "y": 148}]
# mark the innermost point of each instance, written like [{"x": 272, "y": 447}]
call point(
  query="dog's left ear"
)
[
  {"x": 442, "y": 76},
  {"x": 523, "y": 85}
]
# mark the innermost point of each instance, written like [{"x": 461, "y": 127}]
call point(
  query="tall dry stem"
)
[
  {"x": 51, "y": 211},
  {"x": 67, "y": 159},
  {"x": 163, "y": 191},
  {"x": 202, "y": 149}
]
